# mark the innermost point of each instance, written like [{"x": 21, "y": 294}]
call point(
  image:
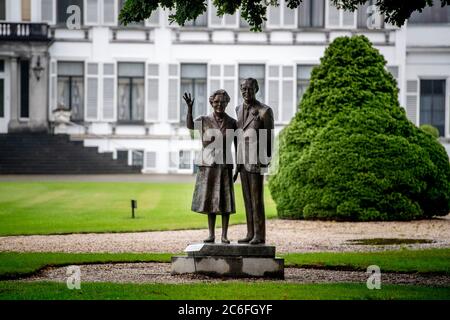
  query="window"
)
[
  {"x": 184, "y": 162},
  {"x": 311, "y": 14},
  {"x": 256, "y": 71},
  {"x": 61, "y": 10},
  {"x": 71, "y": 88},
  {"x": 339, "y": 18},
  {"x": 225, "y": 21},
  {"x": 137, "y": 158},
  {"x": 433, "y": 14},
  {"x": 122, "y": 156},
  {"x": 200, "y": 21},
  {"x": 131, "y": 94},
  {"x": 2, "y": 9},
  {"x": 133, "y": 24},
  {"x": 432, "y": 104},
  {"x": 193, "y": 80},
  {"x": 109, "y": 12},
  {"x": 281, "y": 16},
  {"x": 24, "y": 88},
  {"x": 303, "y": 76}
]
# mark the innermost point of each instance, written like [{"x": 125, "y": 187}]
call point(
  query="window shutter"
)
[
  {"x": 288, "y": 100},
  {"x": 273, "y": 99},
  {"x": 91, "y": 12},
  {"x": 109, "y": 12},
  {"x": 150, "y": 160},
  {"x": 152, "y": 108},
  {"x": 288, "y": 93},
  {"x": 53, "y": 88},
  {"x": 109, "y": 88},
  {"x": 92, "y": 91},
  {"x": 48, "y": 11},
  {"x": 411, "y": 100},
  {"x": 273, "y": 94},
  {"x": 173, "y": 114},
  {"x": 214, "y": 78},
  {"x": 229, "y": 85},
  {"x": 173, "y": 160}
]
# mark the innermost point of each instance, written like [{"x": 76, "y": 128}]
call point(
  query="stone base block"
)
[{"x": 230, "y": 266}]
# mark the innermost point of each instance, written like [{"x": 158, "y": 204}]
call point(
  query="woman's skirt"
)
[{"x": 214, "y": 192}]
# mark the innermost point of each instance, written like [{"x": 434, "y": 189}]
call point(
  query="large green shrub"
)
[
  {"x": 428, "y": 128},
  {"x": 350, "y": 153}
]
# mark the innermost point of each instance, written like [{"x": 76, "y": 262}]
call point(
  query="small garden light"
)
[{"x": 133, "y": 206}]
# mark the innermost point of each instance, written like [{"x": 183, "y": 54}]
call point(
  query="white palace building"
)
[{"x": 124, "y": 85}]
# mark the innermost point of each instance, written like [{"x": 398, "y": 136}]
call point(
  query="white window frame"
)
[{"x": 341, "y": 18}]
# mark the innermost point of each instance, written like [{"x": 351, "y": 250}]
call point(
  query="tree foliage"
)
[
  {"x": 255, "y": 11},
  {"x": 350, "y": 153}
]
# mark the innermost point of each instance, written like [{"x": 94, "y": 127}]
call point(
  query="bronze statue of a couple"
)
[{"x": 214, "y": 191}]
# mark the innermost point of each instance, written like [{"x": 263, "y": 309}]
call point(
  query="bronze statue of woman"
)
[{"x": 214, "y": 192}]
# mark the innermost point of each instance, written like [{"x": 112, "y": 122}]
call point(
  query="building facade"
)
[{"x": 124, "y": 85}]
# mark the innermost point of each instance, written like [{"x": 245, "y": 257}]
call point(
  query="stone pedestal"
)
[{"x": 230, "y": 260}]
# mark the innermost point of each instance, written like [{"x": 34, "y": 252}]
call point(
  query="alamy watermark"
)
[
  {"x": 251, "y": 148},
  {"x": 74, "y": 277},
  {"x": 374, "y": 280},
  {"x": 374, "y": 18},
  {"x": 73, "y": 21}
]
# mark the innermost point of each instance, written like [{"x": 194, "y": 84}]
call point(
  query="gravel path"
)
[
  {"x": 286, "y": 235},
  {"x": 160, "y": 273}
]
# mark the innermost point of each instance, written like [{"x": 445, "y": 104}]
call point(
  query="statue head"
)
[
  {"x": 219, "y": 101},
  {"x": 249, "y": 88}
]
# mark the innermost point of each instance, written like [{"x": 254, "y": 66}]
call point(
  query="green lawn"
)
[
  {"x": 227, "y": 291},
  {"x": 424, "y": 261},
  {"x": 74, "y": 207}
]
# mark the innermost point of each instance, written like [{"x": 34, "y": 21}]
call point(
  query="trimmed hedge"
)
[{"x": 350, "y": 153}]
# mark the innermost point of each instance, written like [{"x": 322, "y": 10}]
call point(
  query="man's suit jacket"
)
[{"x": 260, "y": 116}]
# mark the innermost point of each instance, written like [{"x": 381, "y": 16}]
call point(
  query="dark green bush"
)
[
  {"x": 350, "y": 153},
  {"x": 428, "y": 128}
]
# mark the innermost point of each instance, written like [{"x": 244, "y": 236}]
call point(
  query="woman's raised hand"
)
[{"x": 187, "y": 97}]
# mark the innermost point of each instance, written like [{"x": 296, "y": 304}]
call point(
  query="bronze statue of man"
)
[{"x": 255, "y": 119}]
